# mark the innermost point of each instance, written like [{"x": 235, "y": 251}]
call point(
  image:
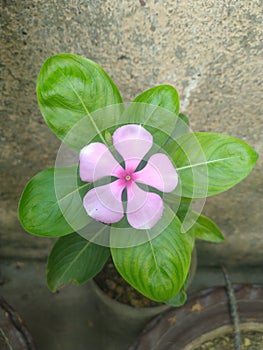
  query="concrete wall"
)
[{"x": 209, "y": 50}]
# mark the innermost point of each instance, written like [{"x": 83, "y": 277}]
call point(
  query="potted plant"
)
[{"x": 127, "y": 183}]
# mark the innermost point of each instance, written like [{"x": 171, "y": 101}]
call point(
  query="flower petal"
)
[
  {"x": 132, "y": 141},
  {"x": 104, "y": 203},
  {"x": 159, "y": 172},
  {"x": 144, "y": 209},
  {"x": 96, "y": 161}
]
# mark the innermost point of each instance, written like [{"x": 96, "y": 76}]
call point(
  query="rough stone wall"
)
[{"x": 210, "y": 50}]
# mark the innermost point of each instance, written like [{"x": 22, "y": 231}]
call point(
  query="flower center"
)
[{"x": 127, "y": 177}]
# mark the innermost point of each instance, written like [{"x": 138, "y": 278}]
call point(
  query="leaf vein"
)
[
  {"x": 84, "y": 106},
  {"x": 78, "y": 256},
  {"x": 204, "y": 163}
]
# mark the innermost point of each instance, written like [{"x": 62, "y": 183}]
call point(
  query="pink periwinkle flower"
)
[{"x": 104, "y": 203}]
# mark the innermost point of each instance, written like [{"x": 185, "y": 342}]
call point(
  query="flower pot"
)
[
  {"x": 128, "y": 316},
  {"x": 204, "y": 318},
  {"x": 13, "y": 332}
]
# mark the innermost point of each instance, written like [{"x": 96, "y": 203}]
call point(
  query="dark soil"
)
[
  {"x": 111, "y": 282},
  {"x": 251, "y": 340}
]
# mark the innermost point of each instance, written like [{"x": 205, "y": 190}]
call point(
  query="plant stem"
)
[
  {"x": 2, "y": 333},
  {"x": 233, "y": 310}
]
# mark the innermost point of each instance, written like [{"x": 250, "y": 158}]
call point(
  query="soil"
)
[
  {"x": 251, "y": 340},
  {"x": 111, "y": 282}
]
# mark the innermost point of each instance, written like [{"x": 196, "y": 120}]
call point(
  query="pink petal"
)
[
  {"x": 159, "y": 172},
  {"x": 96, "y": 161},
  {"x": 144, "y": 209},
  {"x": 104, "y": 203},
  {"x": 132, "y": 141}
]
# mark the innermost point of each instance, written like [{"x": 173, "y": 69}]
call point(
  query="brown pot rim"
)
[
  {"x": 119, "y": 307},
  {"x": 204, "y": 312},
  {"x": 18, "y": 324}
]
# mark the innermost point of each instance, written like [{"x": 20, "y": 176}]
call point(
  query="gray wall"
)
[{"x": 209, "y": 50}]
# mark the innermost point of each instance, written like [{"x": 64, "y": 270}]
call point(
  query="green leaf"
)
[
  {"x": 184, "y": 118},
  {"x": 184, "y": 208},
  {"x": 210, "y": 163},
  {"x": 159, "y": 267},
  {"x": 73, "y": 258},
  {"x": 205, "y": 229},
  {"x": 164, "y": 96},
  {"x": 181, "y": 206},
  {"x": 178, "y": 300},
  {"x": 160, "y": 122},
  {"x": 108, "y": 138},
  {"x": 161, "y": 100},
  {"x": 51, "y": 204},
  {"x": 71, "y": 87}
]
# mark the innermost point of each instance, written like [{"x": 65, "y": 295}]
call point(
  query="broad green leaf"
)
[
  {"x": 122, "y": 235},
  {"x": 71, "y": 87},
  {"x": 159, "y": 267},
  {"x": 210, "y": 163},
  {"x": 164, "y": 96},
  {"x": 160, "y": 122},
  {"x": 73, "y": 258},
  {"x": 184, "y": 208},
  {"x": 108, "y": 138},
  {"x": 181, "y": 206},
  {"x": 178, "y": 300},
  {"x": 205, "y": 229},
  {"x": 157, "y": 110},
  {"x": 184, "y": 118},
  {"x": 51, "y": 203}
]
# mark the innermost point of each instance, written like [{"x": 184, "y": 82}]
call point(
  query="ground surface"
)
[{"x": 70, "y": 319}]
